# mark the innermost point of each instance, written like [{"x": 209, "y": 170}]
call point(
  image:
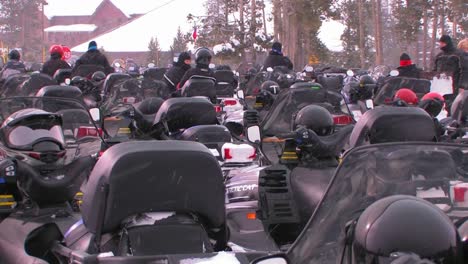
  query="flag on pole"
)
[{"x": 195, "y": 34}]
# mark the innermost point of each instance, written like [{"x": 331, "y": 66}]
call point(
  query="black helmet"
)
[
  {"x": 405, "y": 224},
  {"x": 271, "y": 87},
  {"x": 203, "y": 56},
  {"x": 14, "y": 55},
  {"x": 98, "y": 76},
  {"x": 315, "y": 118},
  {"x": 25, "y": 129},
  {"x": 366, "y": 80}
]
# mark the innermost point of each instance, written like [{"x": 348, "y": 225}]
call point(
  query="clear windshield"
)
[
  {"x": 27, "y": 135},
  {"x": 370, "y": 173}
]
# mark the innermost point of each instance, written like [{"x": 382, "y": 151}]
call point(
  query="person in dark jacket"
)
[
  {"x": 93, "y": 57},
  {"x": 173, "y": 76},
  {"x": 13, "y": 66},
  {"x": 463, "y": 46},
  {"x": 55, "y": 62},
  {"x": 202, "y": 68},
  {"x": 407, "y": 68},
  {"x": 449, "y": 61},
  {"x": 276, "y": 58}
]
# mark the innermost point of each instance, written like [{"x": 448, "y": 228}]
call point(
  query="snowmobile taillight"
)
[
  {"x": 252, "y": 216},
  {"x": 50, "y": 157},
  {"x": 129, "y": 100},
  {"x": 85, "y": 131},
  {"x": 218, "y": 108},
  {"x": 460, "y": 193},
  {"x": 230, "y": 102},
  {"x": 342, "y": 119}
]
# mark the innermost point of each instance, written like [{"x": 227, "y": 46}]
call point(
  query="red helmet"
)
[
  {"x": 432, "y": 96},
  {"x": 56, "y": 49},
  {"x": 406, "y": 95}
]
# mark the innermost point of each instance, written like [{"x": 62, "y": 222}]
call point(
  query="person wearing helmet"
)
[
  {"x": 400, "y": 225},
  {"x": 276, "y": 58},
  {"x": 94, "y": 57},
  {"x": 173, "y": 76},
  {"x": 405, "y": 97},
  {"x": 407, "y": 68},
  {"x": 315, "y": 118},
  {"x": 55, "y": 62},
  {"x": 267, "y": 95},
  {"x": 202, "y": 68},
  {"x": 13, "y": 66},
  {"x": 433, "y": 104}
]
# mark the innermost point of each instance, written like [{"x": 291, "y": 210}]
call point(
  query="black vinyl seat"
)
[
  {"x": 200, "y": 86},
  {"x": 224, "y": 83},
  {"x": 157, "y": 207}
]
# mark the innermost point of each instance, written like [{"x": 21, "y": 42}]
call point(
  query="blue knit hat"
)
[{"x": 92, "y": 45}]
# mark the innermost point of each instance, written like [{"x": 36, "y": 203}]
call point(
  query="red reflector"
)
[
  {"x": 342, "y": 120},
  {"x": 35, "y": 155},
  {"x": 218, "y": 108},
  {"x": 129, "y": 100},
  {"x": 101, "y": 152},
  {"x": 88, "y": 132},
  {"x": 459, "y": 193},
  {"x": 251, "y": 216},
  {"x": 227, "y": 154},
  {"x": 230, "y": 102},
  {"x": 254, "y": 155},
  {"x": 388, "y": 101}
]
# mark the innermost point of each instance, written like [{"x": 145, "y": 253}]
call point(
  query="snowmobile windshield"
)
[
  {"x": 27, "y": 120},
  {"x": 426, "y": 170},
  {"x": 290, "y": 101},
  {"x": 391, "y": 85}
]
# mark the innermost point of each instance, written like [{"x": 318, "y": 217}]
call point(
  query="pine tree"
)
[
  {"x": 179, "y": 43},
  {"x": 154, "y": 54}
]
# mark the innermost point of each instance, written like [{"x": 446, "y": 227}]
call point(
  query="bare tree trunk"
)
[
  {"x": 425, "y": 32},
  {"x": 442, "y": 17},
  {"x": 376, "y": 12},
  {"x": 253, "y": 28},
  {"x": 361, "y": 34},
  {"x": 277, "y": 19},
  {"x": 435, "y": 18},
  {"x": 242, "y": 26},
  {"x": 264, "y": 18}
]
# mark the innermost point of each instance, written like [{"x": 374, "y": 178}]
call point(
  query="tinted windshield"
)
[{"x": 368, "y": 174}]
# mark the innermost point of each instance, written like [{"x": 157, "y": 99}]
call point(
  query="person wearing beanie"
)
[
  {"x": 276, "y": 58},
  {"x": 449, "y": 62},
  {"x": 407, "y": 68},
  {"x": 13, "y": 66},
  {"x": 173, "y": 76},
  {"x": 202, "y": 67},
  {"x": 93, "y": 57},
  {"x": 55, "y": 62}
]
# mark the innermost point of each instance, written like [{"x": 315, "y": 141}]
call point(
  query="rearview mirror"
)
[
  {"x": 253, "y": 134},
  {"x": 309, "y": 69},
  {"x": 276, "y": 259},
  {"x": 67, "y": 81},
  {"x": 240, "y": 94},
  {"x": 269, "y": 69},
  {"x": 394, "y": 73},
  {"x": 350, "y": 73},
  {"x": 95, "y": 114}
]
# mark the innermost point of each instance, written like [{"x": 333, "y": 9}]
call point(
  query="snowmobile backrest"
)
[
  {"x": 393, "y": 84},
  {"x": 393, "y": 124},
  {"x": 86, "y": 70},
  {"x": 224, "y": 83},
  {"x": 200, "y": 87},
  {"x": 61, "y": 74},
  {"x": 12, "y": 85},
  {"x": 183, "y": 113},
  {"x": 334, "y": 82},
  {"x": 459, "y": 108},
  {"x": 112, "y": 79},
  {"x": 35, "y": 83},
  {"x": 59, "y": 91},
  {"x": 207, "y": 134},
  {"x": 118, "y": 189},
  {"x": 155, "y": 73}
]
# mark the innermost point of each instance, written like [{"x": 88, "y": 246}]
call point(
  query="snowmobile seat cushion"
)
[
  {"x": 199, "y": 87},
  {"x": 155, "y": 73},
  {"x": 59, "y": 91},
  {"x": 181, "y": 113},
  {"x": 207, "y": 134},
  {"x": 393, "y": 124},
  {"x": 117, "y": 188},
  {"x": 334, "y": 83},
  {"x": 112, "y": 79},
  {"x": 224, "y": 76},
  {"x": 149, "y": 106}
]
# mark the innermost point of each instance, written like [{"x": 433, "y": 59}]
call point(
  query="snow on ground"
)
[
  {"x": 330, "y": 34},
  {"x": 72, "y": 28},
  {"x": 162, "y": 23}
]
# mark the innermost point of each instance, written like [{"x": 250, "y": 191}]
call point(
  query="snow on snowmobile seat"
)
[
  {"x": 155, "y": 73},
  {"x": 459, "y": 109},
  {"x": 334, "y": 83},
  {"x": 182, "y": 113},
  {"x": 112, "y": 79},
  {"x": 158, "y": 207},
  {"x": 207, "y": 134},
  {"x": 393, "y": 84},
  {"x": 61, "y": 74},
  {"x": 393, "y": 124},
  {"x": 224, "y": 83},
  {"x": 87, "y": 70},
  {"x": 35, "y": 83},
  {"x": 200, "y": 86}
]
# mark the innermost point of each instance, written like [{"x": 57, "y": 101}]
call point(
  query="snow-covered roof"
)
[
  {"x": 162, "y": 23},
  {"x": 330, "y": 34},
  {"x": 72, "y": 28},
  {"x": 88, "y": 7}
]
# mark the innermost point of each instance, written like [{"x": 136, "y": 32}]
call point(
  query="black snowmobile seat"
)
[
  {"x": 393, "y": 124},
  {"x": 112, "y": 79},
  {"x": 117, "y": 190},
  {"x": 182, "y": 113},
  {"x": 61, "y": 74},
  {"x": 207, "y": 134},
  {"x": 224, "y": 83},
  {"x": 86, "y": 70},
  {"x": 200, "y": 87},
  {"x": 60, "y": 91},
  {"x": 155, "y": 73},
  {"x": 334, "y": 83},
  {"x": 35, "y": 83}
]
